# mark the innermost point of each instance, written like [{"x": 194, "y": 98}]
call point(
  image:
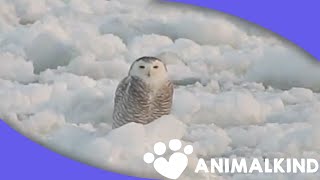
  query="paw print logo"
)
[{"x": 177, "y": 163}]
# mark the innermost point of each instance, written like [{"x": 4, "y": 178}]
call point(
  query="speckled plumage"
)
[{"x": 140, "y": 99}]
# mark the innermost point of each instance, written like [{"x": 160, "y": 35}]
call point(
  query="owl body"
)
[{"x": 144, "y": 95}]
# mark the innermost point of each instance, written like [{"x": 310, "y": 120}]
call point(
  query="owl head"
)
[{"x": 149, "y": 68}]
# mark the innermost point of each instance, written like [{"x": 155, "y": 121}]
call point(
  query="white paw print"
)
[{"x": 177, "y": 163}]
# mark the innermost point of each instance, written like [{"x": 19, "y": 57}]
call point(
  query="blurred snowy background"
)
[{"x": 243, "y": 91}]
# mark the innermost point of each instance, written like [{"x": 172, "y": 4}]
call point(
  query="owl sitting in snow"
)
[{"x": 144, "y": 95}]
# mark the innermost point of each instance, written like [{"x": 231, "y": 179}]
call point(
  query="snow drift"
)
[{"x": 240, "y": 92}]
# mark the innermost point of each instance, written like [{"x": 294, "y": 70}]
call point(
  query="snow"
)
[
  {"x": 53, "y": 52},
  {"x": 283, "y": 69},
  {"x": 229, "y": 109},
  {"x": 240, "y": 90},
  {"x": 15, "y": 68}
]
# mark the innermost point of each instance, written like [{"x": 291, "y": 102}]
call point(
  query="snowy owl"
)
[{"x": 144, "y": 95}]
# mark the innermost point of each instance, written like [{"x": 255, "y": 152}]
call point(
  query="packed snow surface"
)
[{"x": 240, "y": 90}]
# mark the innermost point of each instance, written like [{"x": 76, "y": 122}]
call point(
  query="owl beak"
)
[{"x": 148, "y": 74}]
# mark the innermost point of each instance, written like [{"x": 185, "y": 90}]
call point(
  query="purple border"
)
[
  {"x": 21, "y": 158},
  {"x": 295, "y": 20}
]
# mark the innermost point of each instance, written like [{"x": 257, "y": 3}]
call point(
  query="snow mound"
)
[
  {"x": 48, "y": 52},
  {"x": 285, "y": 68},
  {"x": 239, "y": 90},
  {"x": 230, "y": 109},
  {"x": 16, "y": 68},
  {"x": 87, "y": 65}
]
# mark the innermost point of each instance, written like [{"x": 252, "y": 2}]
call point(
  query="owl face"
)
[{"x": 149, "y": 69}]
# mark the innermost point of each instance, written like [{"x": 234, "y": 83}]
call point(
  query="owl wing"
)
[
  {"x": 121, "y": 90},
  {"x": 120, "y": 101},
  {"x": 131, "y": 102},
  {"x": 163, "y": 101},
  {"x": 132, "y": 87},
  {"x": 166, "y": 94}
]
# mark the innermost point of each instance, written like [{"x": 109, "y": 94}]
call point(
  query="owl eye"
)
[
  {"x": 155, "y": 67},
  {"x": 141, "y": 67}
]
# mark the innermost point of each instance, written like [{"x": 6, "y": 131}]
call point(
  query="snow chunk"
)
[
  {"x": 72, "y": 81},
  {"x": 8, "y": 16},
  {"x": 230, "y": 109},
  {"x": 30, "y": 11},
  {"x": 147, "y": 45},
  {"x": 16, "y": 68},
  {"x": 165, "y": 129},
  {"x": 297, "y": 95},
  {"x": 44, "y": 122},
  {"x": 208, "y": 141},
  {"x": 182, "y": 109},
  {"x": 87, "y": 65},
  {"x": 47, "y": 51},
  {"x": 105, "y": 47},
  {"x": 284, "y": 68}
]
